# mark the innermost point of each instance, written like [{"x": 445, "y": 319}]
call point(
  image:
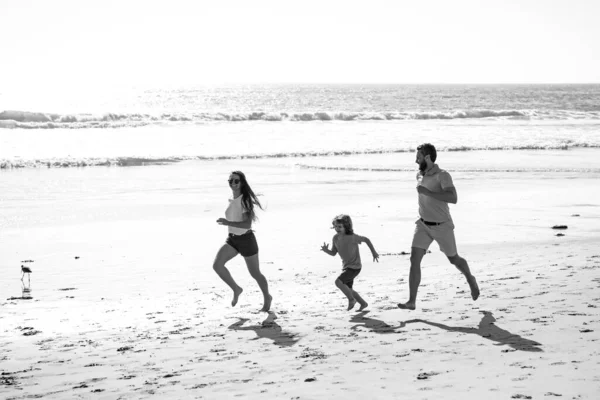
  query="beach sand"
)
[{"x": 125, "y": 303}]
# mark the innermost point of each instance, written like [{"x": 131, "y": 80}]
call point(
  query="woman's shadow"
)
[
  {"x": 488, "y": 330},
  {"x": 268, "y": 329},
  {"x": 375, "y": 325}
]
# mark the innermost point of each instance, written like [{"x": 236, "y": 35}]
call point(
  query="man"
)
[{"x": 435, "y": 190}]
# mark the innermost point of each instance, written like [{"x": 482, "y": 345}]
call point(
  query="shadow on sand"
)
[
  {"x": 375, "y": 325},
  {"x": 268, "y": 329},
  {"x": 488, "y": 330}
]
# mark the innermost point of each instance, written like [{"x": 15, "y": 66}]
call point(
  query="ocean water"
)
[{"x": 142, "y": 126}]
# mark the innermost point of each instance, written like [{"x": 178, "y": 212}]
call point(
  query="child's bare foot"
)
[
  {"x": 351, "y": 304},
  {"x": 267, "y": 305},
  {"x": 236, "y": 295},
  {"x": 407, "y": 306},
  {"x": 474, "y": 287},
  {"x": 363, "y": 306}
]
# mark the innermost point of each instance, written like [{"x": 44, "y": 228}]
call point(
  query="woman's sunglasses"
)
[{"x": 233, "y": 181}]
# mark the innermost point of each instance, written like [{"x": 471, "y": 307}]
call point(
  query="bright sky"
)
[{"x": 323, "y": 41}]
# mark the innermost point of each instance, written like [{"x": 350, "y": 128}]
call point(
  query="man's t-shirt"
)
[
  {"x": 430, "y": 209},
  {"x": 347, "y": 247}
]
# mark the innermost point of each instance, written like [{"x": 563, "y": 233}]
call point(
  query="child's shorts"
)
[
  {"x": 347, "y": 277},
  {"x": 244, "y": 244}
]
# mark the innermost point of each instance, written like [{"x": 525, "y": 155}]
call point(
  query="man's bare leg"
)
[
  {"x": 462, "y": 265},
  {"x": 226, "y": 253},
  {"x": 414, "y": 279},
  {"x": 348, "y": 292}
]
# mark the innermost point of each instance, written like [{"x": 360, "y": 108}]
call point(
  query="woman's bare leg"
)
[
  {"x": 254, "y": 269},
  {"x": 226, "y": 253}
]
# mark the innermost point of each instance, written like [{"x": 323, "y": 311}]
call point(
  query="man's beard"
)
[{"x": 423, "y": 166}]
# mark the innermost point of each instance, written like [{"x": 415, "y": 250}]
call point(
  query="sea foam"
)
[{"x": 40, "y": 120}]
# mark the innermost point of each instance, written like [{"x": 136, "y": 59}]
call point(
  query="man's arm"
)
[{"x": 449, "y": 194}]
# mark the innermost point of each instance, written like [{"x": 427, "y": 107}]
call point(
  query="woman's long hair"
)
[{"x": 249, "y": 199}]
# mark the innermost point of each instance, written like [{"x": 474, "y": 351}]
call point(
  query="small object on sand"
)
[
  {"x": 426, "y": 375},
  {"x": 575, "y": 215},
  {"x": 77, "y": 257},
  {"x": 560, "y": 234},
  {"x": 310, "y": 379},
  {"x": 559, "y": 227}
]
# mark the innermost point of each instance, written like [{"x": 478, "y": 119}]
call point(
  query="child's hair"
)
[{"x": 346, "y": 221}]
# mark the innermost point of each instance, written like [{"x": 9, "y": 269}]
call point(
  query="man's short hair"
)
[{"x": 427, "y": 149}]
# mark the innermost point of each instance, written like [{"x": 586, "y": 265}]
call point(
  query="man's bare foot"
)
[
  {"x": 407, "y": 306},
  {"x": 267, "y": 305},
  {"x": 236, "y": 295},
  {"x": 351, "y": 304},
  {"x": 363, "y": 306},
  {"x": 474, "y": 287}
]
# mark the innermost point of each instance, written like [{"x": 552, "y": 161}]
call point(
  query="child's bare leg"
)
[
  {"x": 348, "y": 292},
  {"x": 363, "y": 304}
]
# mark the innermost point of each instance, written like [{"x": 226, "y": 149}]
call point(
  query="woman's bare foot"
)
[
  {"x": 407, "y": 306},
  {"x": 236, "y": 295},
  {"x": 351, "y": 304},
  {"x": 474, "y": 287},
  {"x": 363, "y": 306},
  {"x": 267, "y": 305}
]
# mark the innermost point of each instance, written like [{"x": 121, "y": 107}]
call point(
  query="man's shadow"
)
[
  {"x": 268, "y": 329},
  {"x": 488, "y": 330},
  {"x": 375, "y": 325}
]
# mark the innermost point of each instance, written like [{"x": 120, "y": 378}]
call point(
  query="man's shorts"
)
[
  {"x": 244, "y": 244},
  {"x": 347, "y": 277},
  {"x": 443, "y": 234}
]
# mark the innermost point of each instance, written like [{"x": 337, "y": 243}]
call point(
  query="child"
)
[{"x": 346, "y": 242}]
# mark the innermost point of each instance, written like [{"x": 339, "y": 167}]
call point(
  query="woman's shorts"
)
[
  {"x": 244, "y": 244},
  {"x": 347, "y": 277}
]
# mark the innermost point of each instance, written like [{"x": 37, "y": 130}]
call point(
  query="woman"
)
[{"x": 241, "y": 240}]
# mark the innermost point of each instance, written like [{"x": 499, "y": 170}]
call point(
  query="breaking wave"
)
[
  {"x": 40, "y": 120},
  {"x": 66, "y": 162},
  {"x": 506, "y": 170}
]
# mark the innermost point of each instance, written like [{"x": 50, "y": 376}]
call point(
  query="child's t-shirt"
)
[{"x": 347, "y": 247}]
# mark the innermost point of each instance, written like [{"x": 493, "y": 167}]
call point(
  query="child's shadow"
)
[
  {"x": 488, "y": 330},
  {"x": 375, "y": 325},
  {"x": 268, "y": 329}
]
